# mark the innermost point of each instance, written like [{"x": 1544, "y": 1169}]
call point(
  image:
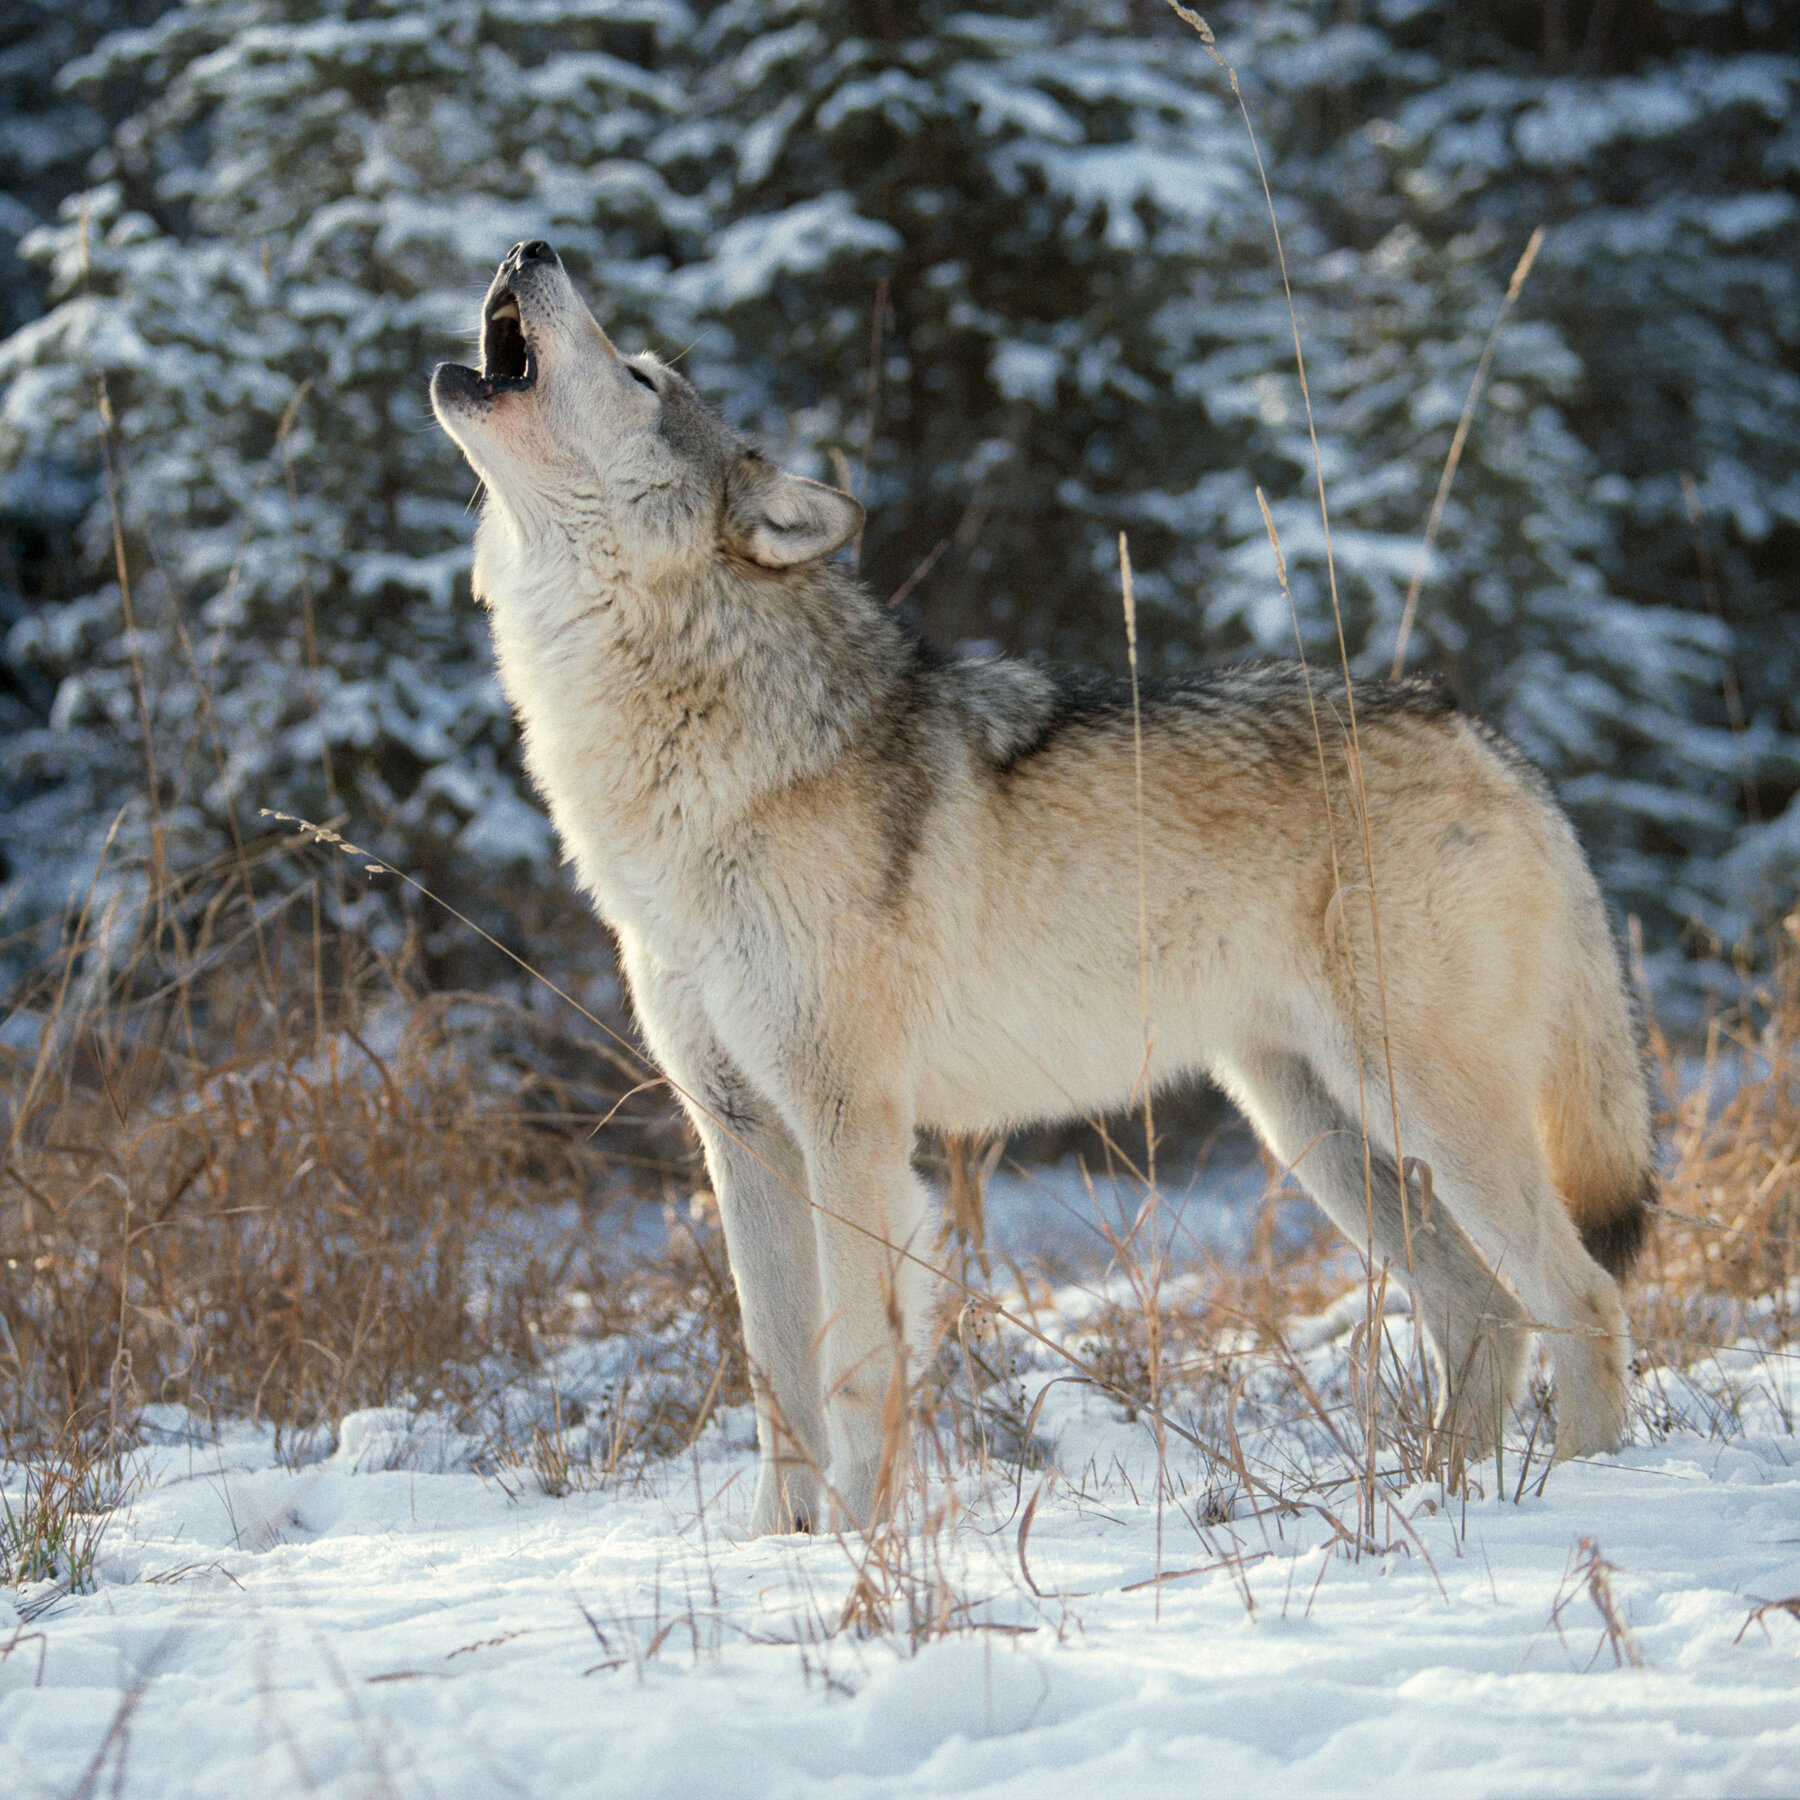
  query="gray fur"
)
[{"x": 861, "y": 888}]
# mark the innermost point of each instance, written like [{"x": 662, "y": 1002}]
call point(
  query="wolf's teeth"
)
[{"x": 507, "y": 309}]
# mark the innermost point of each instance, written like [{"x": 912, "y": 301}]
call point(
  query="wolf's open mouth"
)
[{"x": 507, "y": 362}]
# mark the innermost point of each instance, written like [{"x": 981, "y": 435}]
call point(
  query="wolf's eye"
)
[{"x": 638, "y": 374}]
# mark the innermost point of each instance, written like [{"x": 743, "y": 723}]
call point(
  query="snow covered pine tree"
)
[
  {"x": 1045, "y": 224},
  {"x": 287, "y": 240}
]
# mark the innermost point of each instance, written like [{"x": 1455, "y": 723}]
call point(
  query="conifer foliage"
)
[
  {"x": 1007, "y": 269},
  {"x": 946, "y": 238},
  {"x": 293, "y": 232}
]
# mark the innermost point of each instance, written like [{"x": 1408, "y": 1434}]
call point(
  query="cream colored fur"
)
[{"x": 859, "y": 890}]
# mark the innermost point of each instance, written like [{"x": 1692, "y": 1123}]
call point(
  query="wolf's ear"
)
[{"x": 778, "y": 519}]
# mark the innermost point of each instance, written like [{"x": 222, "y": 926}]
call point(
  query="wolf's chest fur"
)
[{"x": 658, "y": 727}]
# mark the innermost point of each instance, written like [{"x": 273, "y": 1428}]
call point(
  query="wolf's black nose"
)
[{"x": 536, "y": 251}]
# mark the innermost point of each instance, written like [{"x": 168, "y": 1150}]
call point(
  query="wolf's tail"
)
[{"x": 1595, "y": 1117}]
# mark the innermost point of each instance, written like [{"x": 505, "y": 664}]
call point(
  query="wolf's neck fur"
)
[{"x": 657, "y": 716}]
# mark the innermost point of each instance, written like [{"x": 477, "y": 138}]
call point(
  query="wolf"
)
[{"x": 860, "y": 888}]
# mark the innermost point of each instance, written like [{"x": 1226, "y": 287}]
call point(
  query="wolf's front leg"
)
[
  {"x": 759, "y": 1176},
  {"x": 870, "y": 1214},
  {"x": 760, "y": 1179}
]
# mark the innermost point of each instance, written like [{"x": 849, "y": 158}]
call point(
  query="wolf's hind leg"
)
[
  {"x": 1478, "y": 1329},
  {"x": 1521, "y": 1221}
]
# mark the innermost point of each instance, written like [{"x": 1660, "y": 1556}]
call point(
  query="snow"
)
[
  {"x": 1571, "y": 123},
  {"x": 1063, "y": 1212},
  {"x": 1000, "y": 102},
  {"x": 901, "y": 99},
  {"x": 405, "y": 1617},
  {"x": 752, "y": 254},
  {"x": 505, "y": 829},
  {"x": 1747, "y": 216},
  {"x": 1021, "y": 371},
  {"x": 1114, "y": 178}
]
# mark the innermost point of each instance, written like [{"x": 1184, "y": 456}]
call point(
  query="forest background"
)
[
  {"x": 287, "y": 1140},
  {"x": 1007, "y": 270}
]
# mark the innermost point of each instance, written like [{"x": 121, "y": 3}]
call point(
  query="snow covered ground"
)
[
  {"x": 389, "y": 1621},
  {"x": 1055, "y": 1210}
]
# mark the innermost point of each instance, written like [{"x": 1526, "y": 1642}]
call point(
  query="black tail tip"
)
[{"x": 1615, "y": 1242}]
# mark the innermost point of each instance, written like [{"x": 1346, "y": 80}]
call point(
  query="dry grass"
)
[
  {"x": 1588, "y": 1571},
  {"x": 254, "y": 1172},
  {"x": 1718, "y": 1308},
  {"x": 1729, "y": 1234},
  {"x": 674, "y": 1313}
]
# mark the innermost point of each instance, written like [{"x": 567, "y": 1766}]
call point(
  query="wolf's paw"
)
[
  {"x": 788, "y": 1499},
  {"x": 1479, "y": 1386},
  {"x": 864, "y": 1490},
  {"x": 1590, "y": 1408},
  {"x": 1593, "y": 1381}
]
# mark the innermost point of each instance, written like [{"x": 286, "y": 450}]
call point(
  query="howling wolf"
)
[{"x": 860, "y": 888}]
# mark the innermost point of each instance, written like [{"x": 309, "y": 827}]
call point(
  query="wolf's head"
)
[{"x": 573, "y": 439}]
